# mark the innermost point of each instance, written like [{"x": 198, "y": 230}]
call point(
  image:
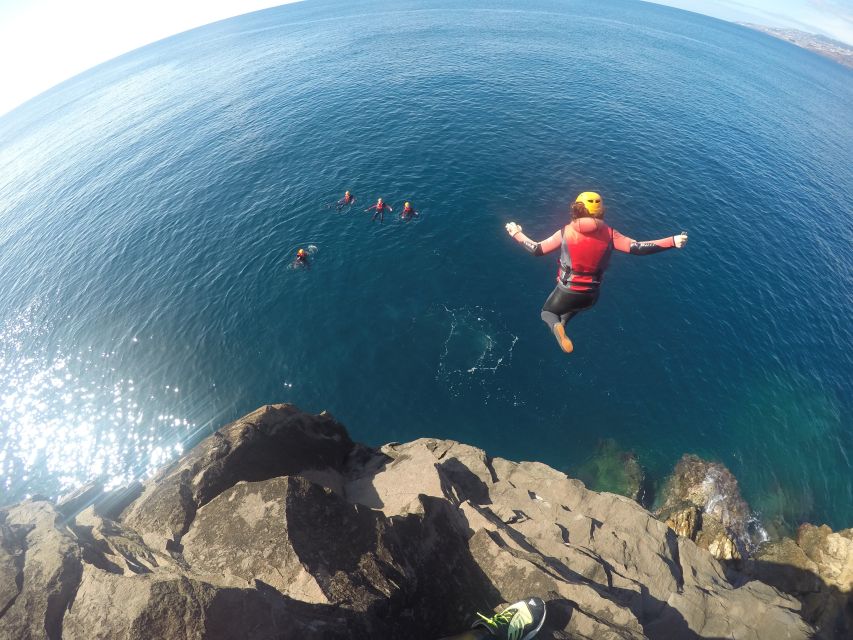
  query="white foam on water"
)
[{"x": 476, "y": 347}]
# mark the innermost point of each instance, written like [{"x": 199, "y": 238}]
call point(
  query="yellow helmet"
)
[
  {"x": 406, "y": 205},
  {"x": 593, "y": 203}
]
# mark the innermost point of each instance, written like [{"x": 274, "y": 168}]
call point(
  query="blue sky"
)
[{"x": 43, "y": 42}]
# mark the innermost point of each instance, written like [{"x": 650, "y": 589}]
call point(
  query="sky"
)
[
  {"x": 833, "y": 18},
  {"x": 43, "y": 42}
]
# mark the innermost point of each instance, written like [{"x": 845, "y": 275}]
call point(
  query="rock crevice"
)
[{"x": 279, "y": 526}]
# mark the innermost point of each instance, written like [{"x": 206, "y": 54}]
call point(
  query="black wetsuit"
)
[
  {"x": 380, "y": 211},
  {"x": 344, "y": 202}
]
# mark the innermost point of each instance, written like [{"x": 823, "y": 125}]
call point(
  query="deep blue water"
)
[{"x": 150, "y": 207}]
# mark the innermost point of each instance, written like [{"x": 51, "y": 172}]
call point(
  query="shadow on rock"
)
[{"x": 805, "y": 570}]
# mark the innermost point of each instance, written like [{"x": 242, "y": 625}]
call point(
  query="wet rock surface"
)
[
  {"x": 702, "y": 502},
  {"x": 279, "y": 526}
]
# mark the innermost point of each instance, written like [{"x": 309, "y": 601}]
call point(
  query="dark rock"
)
[
  {"x": 73, "y": 503},
  {"x": 817, "y": 568},
  {"x": 111, "y": 547},
  {"x": 280, "y": 527},
  {"x": 684, "y": 519},
  {"x": 48, "y": 565},
  {"x": 273, "y": 441},
  {"x": 148, "y": 607},
  {"x": 286, "y": 532},
  {"x": 112, "y": 503},
  {"x": 12, "y": 546},
  {"x": 702, "y": 501}
]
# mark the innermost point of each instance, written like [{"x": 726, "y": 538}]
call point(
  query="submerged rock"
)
[
  {"x": 702, "y": 502},
  {"x": 279, "y": 526},
  {"x": 613, "y": 470}
]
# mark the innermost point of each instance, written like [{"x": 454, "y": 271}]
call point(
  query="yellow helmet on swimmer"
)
[{"x": 593, "y": 202}]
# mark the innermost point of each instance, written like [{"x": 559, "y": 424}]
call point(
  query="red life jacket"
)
[
  {"x": 380, "y": 206},
  {"x": 584, "y": 254}
]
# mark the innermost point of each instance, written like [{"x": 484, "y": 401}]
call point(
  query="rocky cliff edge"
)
[{"x": 279, "y": 526}]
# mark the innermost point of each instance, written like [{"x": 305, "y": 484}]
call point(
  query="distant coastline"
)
[{"x": 827, "y": 47}]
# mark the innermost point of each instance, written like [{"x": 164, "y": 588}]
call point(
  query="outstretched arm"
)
[
  {"x": 370, "y": 207},
  {"x": 536, "y": 248},
  {"x": 647, "y": 247}
]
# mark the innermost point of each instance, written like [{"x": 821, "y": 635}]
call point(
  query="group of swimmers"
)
[
  {"x": 378, "y": 209},
  {"x": 585, "y": 245}
]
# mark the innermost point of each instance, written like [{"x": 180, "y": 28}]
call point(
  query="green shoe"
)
[{"x": 519, "y": 621}]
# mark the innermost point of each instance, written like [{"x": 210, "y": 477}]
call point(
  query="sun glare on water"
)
[{"x": 67, "y": 418}]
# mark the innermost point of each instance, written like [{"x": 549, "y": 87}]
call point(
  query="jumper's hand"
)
[
  {"x": 512, "y": 229},
  {"x": 680, "y": 239}
]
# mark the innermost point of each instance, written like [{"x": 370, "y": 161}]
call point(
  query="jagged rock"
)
[
  {"x": 111, "y": 547},
  {"x": 396, "y": 484},
  {"x": 674, "y": 588},
  {"x": 112, "y": 503},
  {"x": 709, "y": 486},
  {"x": 518, "y": 573},
  {"x": 279, "y": 526},
  {"x": 77, "y": 500},
  {"x": 285, "y": 532},
  {"x": 723, "y": 547},
  {"x": 614, "y": 470},
  {"x": 49, "y": 567},
  {"x": 688, "y": 521},
  {"x": 817, "y": 568},
  {"x": 109, "y": 606},
  {"x": 11, "y": 564},
  {"x": 685, "y": 520},
  {"x": 702, "y": 501},
  {"x": 272, "y": 441},
  {"x": 831, "y": 552}
]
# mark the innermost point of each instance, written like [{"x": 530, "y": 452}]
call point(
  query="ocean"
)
[{"x": 150, "y": 209}]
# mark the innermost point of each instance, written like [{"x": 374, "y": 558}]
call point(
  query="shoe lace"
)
[{"x": 498, "y": 620}]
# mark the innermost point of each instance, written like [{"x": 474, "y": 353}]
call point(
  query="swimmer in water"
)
[
  {"x": 347, "y": 201},
  {"x": 585, "y": 246},
  {"x": 408, "y": 212},
  {"x": 380, "y": 207},
  {"x": 301, "y": 259}
]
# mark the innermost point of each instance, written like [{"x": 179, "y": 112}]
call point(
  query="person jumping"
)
[{"x": 585, "y": 246}]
